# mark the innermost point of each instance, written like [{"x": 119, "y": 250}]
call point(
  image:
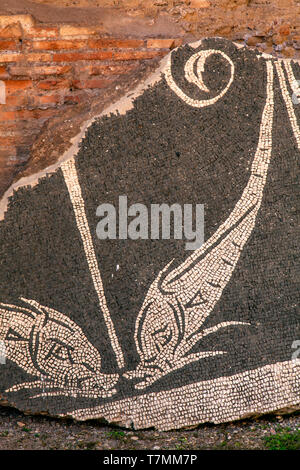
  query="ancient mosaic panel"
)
[{"x": 143, "y": 332}]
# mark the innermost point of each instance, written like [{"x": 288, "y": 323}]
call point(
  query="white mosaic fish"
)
[{"x": 49, "y": 346}]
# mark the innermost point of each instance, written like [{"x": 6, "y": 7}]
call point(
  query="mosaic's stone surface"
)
[{"x": 143, "y": 332}]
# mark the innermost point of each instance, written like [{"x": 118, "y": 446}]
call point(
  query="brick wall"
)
[{"x": 46, "y": 68}]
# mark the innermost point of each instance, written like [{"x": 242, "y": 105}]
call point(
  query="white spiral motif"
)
[{"x": 196, "y": 78}]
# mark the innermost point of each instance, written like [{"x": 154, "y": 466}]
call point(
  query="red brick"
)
[
  {"x": 105, "y": 55},
  {"x": 160, "y": 43},
  {"x": 13, "y": 57},
  {"x": 38, "y": 57},
  {"x": 47, "y": 100},
  {"x": 7, "y": 156},
  {"x": 9, "y": 45},
  {"x": 91, "y": 44},
  {"x": 7, "y": 115},
  {"x": 27, "y": 114},
  {"x": 7, "y": 141},
  {"x": 58, "y": 45},
  {"x": 27, "y": 128},
  {"x": 75, "y": 98},
  {"x": 115, "y": 43},
  {"x": 43, "y": 32},
  {"x": 75, "y": 56},
  {"x": 137, "y": 55},
  {"x": 53, "y": 84},
  {"x": 199, "y": 4},
  {"x": 254, "y": 40},
  {"x": 92, "y": 83},
  {"x": 13, "y": 86},
  {"x": 11, "y": 31},
  {"x": 10, "y": 141},
  {"x": 17, "y": 101},
  {"x": 31, "y": 57},
  {"x": 72, "y": 30},
  {"x": 47, "y": 84},
  {"x": 106, "y": 69},
  {"x": 3, "y": 72},
  {"x": 38, "y": 70},
  {"x": 278, "y": 39},
  {"x": 284, "y": 30},
  {"x": 6, "y": 127}
]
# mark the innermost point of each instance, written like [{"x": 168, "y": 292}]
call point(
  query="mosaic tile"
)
[{"x": 143, "y": 332}]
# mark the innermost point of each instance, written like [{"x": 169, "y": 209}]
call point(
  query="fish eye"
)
[
  {"x": 162, "y": 336},
  {"x": 60, "y": 351}
]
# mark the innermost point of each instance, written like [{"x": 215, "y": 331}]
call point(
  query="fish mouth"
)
[{"x": 98, "y": 382}]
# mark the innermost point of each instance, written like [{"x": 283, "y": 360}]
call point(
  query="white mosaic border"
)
[{"x": 266, "y": 389}]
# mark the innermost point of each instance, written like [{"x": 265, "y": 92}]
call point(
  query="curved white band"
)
[{"x": 191, "y": 77}]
